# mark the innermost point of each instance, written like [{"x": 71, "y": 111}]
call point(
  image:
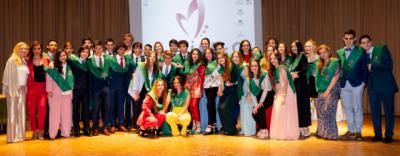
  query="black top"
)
[{"x": 39, "y": 74}]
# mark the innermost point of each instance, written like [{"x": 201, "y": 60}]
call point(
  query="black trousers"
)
[
  {"x": 260, "y": 117},
  {"x": 211, "y": 94},
  {"x": 80, "y": 101}
]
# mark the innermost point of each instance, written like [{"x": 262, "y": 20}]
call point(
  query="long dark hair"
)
[
  {"x": 300, "y": 48},
  {"x": 212, "y": 53},
  {"x": 57, "y": 62},
  {"x": 259, "y": 69},
  {"x": 278, "y": 57},
  {"x": 181, "y": 82},
  {"x": 34, "y": 44},
  {"x": 241, "y": 48},
  {"x": 199, "y": 60}
]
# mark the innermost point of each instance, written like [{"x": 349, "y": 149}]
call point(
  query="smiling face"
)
[
  {"x": 158, "y": 48},
  {"x": 63, "y": 57},
  {"x": 348, "y": 40},
  {"x": 84, "y": 54},
  {"x": 98, "y": 50},
  {"x": 309, "y": 47},
  {"x": 236, "y": 58},
  {"x": 204, "y": 44},
  {"x": 160, "y": 87},
  {"x": 208, "y": 55},
  {"x": 167, "y": 59},
  {"x": 323, "y": 53},
  {"x": 246, "y": 47},
  {"x": 195, "y": 55},
  {"x": 274, "y": 60},
  {"x": 37, "y": 50},
  {"x": 294, "y": 48},
  {"x": 366, "y": 44},
  {"x": 254, "y": 67},
  {"x": 121, "y": 51},
  {"x": 52, "y": 46},
  {"x": 23, "y": 51},
  {"x": 152, "y": 58},
  {"x": 177, "y": 84},
  {"x": 221, "y": 60},
  {"x": 173, "y": 47},
  {"x": 282, "y": 49}
]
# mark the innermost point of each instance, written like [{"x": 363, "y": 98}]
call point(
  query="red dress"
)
[
  {"x": 194, "y": 83},
  {"x": 148, "y": 118},
  {"x": 36, "y": 96}
]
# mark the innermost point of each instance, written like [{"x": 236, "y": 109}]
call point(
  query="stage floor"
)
[{"x": 132, "y": 144}]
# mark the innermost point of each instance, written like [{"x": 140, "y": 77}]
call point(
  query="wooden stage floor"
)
[{"x": 132, "y": 144}]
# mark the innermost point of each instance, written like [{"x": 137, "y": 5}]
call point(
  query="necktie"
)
[
  {"x": 100, "y": 62},
  {"x": 137, "y": 59},
  {"x": 166, "y": 70},
  {"x": 121, "y": 62}
]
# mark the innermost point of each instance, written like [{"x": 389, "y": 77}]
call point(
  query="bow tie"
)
[{"x": 347, "y": 49}]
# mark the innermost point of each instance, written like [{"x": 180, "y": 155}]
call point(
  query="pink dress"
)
[{"x": 284, "y": 120}]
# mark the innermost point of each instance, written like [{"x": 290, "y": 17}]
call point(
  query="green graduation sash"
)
[
  {"x": 348, "y": 63},
  {"x": 295, "y": 63},
  {"x": 75, "y": 60},
  {"x": 100, "y": 73},
  {"x": 290, "y": 79},
  {"x": 115, "y": 66},
  {"x": 240, "y": 69},
  {"x": 159, "y": 106},
  {"x": 211, "y": 66},
  {"x": 179, "y": 100},
  {"x": 147, "y": 83},
  {"x": 254, "y": 89},
  {"x": 189, "y": 69},
  {"x": 325, "y": 76},
  {"x": 257, "y": 55},
  {"x": 64, "y": 84},
  {"x": 288, "y": 60},
  {"x": 376, "y": 55}
]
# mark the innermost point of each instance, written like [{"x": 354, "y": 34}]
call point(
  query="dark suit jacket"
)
[
  {"x": 359, "y": 74},
  {"x": 381, "y": 79}
]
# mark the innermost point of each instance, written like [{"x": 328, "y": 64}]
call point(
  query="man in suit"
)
[
  {"x": 381, "y": 87},
  {"x": 168, "y": 70},
  {"x": 119, "y": 82},
  {"x": 353, "y": 62},
  {"x": 99, "y": 66}
]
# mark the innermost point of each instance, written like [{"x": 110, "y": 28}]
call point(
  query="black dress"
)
[{"x": 302, "y": 92}]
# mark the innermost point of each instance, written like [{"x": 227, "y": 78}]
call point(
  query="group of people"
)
[{"x": 120, "y": 87}]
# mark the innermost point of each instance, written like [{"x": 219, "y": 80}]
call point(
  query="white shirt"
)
[
  {"x": 265, "y": 86},
  {"x": 370, "y": 52},
  {"x": 211, "y": 80},
  {"x": 119, "y": 60},
  {"x": 97, "y": 58},
  {"x": 22, "y": 72},
  {"x": 166, "y": 67}
]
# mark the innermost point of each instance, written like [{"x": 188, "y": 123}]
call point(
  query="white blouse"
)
[
  {"x": 211, "y": 80},
  {"x": 265, "y": 86}
]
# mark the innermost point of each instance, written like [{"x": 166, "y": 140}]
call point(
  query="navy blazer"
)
[
  {"x": 359, "y": 74},
  {"x": 381, "y": 79},
  {"x": 81, "y": 77}
]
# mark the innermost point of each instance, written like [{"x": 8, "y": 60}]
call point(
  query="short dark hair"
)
[
  {"x": 365, "y": 36},
  {"x": 137, "y": 44},
  {"x": 108, "y": 40},
  {"x": 86, "y": 38},
  {"x": 121, "y": 45},
  {"x": 183, "y": 42},
  {"x": 350, "y": 32},
  {"x": 148, "y": 45},
  {"x": 173, "y": 41},
  {"x": 98, "y": 43},
  {"x": 81, "y": 49},
  {"x": 216, "y": 44}
]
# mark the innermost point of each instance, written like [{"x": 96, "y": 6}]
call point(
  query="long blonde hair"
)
[
  {"x": 15, "y": 55},
  {"x": 164, "y": 92}
]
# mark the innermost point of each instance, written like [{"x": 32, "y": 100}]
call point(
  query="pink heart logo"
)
[{"x": 193, "y": 6}]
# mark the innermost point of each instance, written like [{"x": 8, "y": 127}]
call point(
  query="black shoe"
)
[
  {"x": 388, "y": 140},
  {"x": 209, "y": 130},
  {"x": 377, "y": 138},
  {"x": 77, "y": 133},
  {"x": 348, "y": 136},
  {"x": 87, "y": 133},
  {"x": 143, "y": 133},
  {"x": 95, "y": 132}
]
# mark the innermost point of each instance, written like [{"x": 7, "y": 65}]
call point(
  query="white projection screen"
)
[{"x": 229, "y": 21}]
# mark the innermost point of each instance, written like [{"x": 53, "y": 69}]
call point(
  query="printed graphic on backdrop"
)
[{"x": 220, "y": 20}]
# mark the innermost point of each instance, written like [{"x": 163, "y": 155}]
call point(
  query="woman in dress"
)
[
  {"x": 194, "y": 70},
  {"x": 298, "y": 71},
  {"x": 151, "y": 118},
  {"x": 284, "y": 120},
  {"x": 328, "y": 93},
  {"x": 36, "y": 96},
  {"x": 179, "y": 99},
  {"x": 59, "y": 85},
  {"x": 14, "y": 88}
]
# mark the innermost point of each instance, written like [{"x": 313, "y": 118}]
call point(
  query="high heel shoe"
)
[
  {"x": 143, "y": 132},
  {"x": 210, "y": 130}
]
